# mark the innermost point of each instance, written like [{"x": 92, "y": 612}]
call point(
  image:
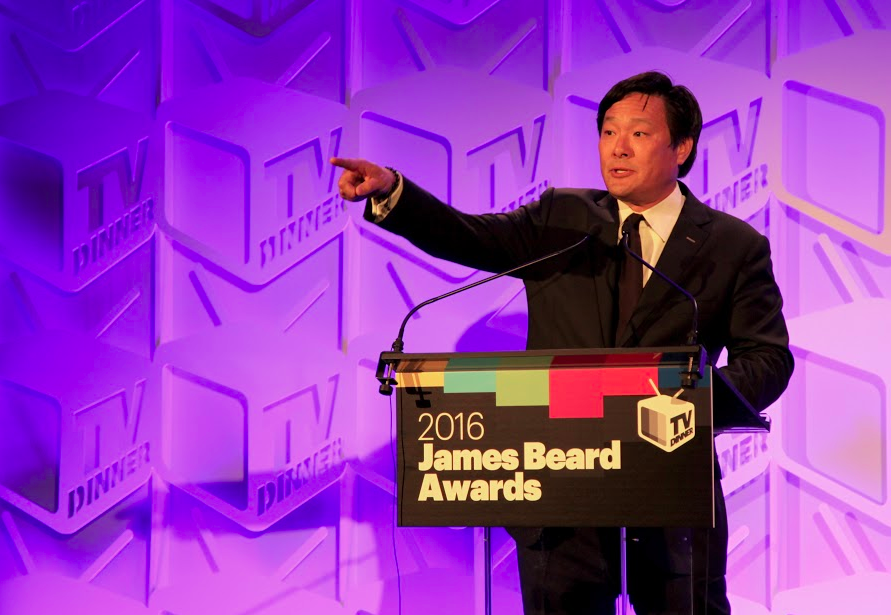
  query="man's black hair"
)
[{"x": 681, "y": 108}]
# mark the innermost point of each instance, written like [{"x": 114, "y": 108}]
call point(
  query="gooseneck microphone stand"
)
[{"x": 386, "y": 365}]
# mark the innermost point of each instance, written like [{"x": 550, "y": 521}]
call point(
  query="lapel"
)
[
  {"x": 686, "y": 239},
  {"x": 606, "y": 215}
]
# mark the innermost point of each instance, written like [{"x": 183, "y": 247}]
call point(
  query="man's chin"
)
[
  {"x": 619, "y": 192},
  {"x": 618, "y": 188}
]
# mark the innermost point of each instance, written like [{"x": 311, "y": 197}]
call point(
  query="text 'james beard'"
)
[{"x": 536, "y": 456}]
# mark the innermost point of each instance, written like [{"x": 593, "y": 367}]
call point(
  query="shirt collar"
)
[{"x": 662, "y": 216}]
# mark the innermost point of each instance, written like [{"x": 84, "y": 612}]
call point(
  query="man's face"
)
[{"x": 637, "y": 161}]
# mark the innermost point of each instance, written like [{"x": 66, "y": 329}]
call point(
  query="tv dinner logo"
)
[{"x": 666, "y": 421}]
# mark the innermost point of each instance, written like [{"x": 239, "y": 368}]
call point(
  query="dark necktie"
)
[{"x": 631, "y": 275}]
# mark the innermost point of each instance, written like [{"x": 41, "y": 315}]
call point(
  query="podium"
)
[{"x": 572, "y": 438}]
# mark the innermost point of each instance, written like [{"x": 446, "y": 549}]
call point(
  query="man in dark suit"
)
[{"x": 597, "y": 297}]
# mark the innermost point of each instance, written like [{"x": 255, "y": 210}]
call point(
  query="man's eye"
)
[{"x": 639, "y": 134}]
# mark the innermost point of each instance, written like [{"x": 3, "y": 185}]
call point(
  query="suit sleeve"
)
[
  {"x": 759, "y": 363},
  {"x": 491, "y": 242}
]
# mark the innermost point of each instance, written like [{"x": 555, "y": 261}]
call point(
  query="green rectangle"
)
[
  {"x": 522, "y": 387},
  {"x": 469, "y": 382}
]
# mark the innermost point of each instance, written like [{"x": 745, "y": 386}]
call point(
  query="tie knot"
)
[{"x": 631, "y": 223}]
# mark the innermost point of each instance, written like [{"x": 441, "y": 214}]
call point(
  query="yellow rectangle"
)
[{"x": 420, "y": 379}]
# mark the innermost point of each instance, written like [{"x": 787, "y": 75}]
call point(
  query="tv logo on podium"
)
[{"x": 666, "y": 421}]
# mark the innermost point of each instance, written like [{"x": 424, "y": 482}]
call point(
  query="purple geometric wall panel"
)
[
  {"x": 190, "y": 315},
  {"x": 77, "y": 194}
]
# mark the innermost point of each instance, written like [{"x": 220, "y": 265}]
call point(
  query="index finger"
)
[{"x": 350, "y": 164}]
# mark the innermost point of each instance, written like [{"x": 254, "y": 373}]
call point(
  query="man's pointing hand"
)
[{"x": 362, "y": 179}]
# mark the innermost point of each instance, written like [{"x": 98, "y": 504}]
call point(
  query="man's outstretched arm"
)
[{"x": 492, "y": 242}]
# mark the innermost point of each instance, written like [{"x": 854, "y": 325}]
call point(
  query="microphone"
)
[
  {"x": 696, "y": 358},
  {"x": 386, "y": 367}
]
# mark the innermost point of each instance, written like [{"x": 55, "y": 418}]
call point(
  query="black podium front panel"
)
[{"x": 549, "y": 440}]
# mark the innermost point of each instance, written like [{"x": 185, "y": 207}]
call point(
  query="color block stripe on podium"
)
[{"x": 570, "y": 392}]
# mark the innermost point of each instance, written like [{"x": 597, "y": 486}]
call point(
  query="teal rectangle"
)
[{"x": 469, "y": 381}]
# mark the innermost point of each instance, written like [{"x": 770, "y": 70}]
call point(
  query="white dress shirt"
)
[{"x": 658, "y": 222}]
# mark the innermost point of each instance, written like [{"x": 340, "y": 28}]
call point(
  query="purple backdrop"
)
[{"x": 190, "y": 315}]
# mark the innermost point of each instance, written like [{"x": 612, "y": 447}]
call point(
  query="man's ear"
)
[{"x": 683, "y": 150}]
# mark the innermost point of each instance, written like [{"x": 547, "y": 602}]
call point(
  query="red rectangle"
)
[{"x": 579, "y": 393}]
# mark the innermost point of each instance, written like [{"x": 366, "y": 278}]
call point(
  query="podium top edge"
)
[{"x": 653, "y": 354}]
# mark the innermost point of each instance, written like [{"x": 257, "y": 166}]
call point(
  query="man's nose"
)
[{"x": 620, "y": 148}]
